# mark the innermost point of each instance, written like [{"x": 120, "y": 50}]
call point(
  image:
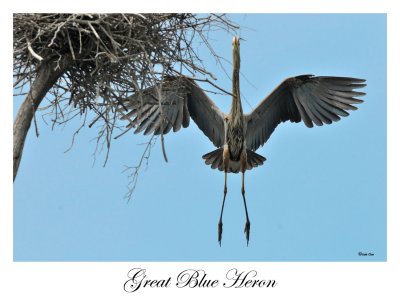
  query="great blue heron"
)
[{"x": 314, "y": 100}]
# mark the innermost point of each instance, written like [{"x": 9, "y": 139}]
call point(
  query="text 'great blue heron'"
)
[{"x": 313, "y": 100}]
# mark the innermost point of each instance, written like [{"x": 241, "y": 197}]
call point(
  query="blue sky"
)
[{"x": 320, "y": 196}]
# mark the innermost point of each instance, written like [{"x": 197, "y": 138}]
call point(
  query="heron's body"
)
[
  {"x": 234, "y": 123},
  {"x": 234, "y": 139},
  {"x": 234, "y": 154},
  {"x": 313, "y": 100}
]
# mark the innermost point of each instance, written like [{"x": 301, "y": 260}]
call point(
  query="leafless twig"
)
[{"x": 104, "y": 58}]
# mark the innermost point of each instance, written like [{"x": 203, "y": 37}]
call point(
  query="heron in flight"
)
[{"x": 312, "y": 99}]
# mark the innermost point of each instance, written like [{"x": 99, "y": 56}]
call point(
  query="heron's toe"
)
[
  {"x": 219, "y": 232},
  {"x": 247, "y": 231}
]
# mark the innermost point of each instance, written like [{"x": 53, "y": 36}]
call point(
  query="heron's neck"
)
[{"x": 236, "y": 107}]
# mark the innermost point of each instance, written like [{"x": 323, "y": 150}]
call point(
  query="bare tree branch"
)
[{"x": 90, "y": 63}]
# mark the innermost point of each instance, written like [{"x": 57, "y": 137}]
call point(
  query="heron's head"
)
[{"x": 236, "y": 52}]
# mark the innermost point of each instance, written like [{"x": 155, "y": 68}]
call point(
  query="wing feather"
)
[
  {"x": 179, "y": 119},
  {"x": 206, "y": 114},
  {"x": 181, "y": 98},
  {"x": 313, "y": 100},
  {"x": 149, "y": 114}
]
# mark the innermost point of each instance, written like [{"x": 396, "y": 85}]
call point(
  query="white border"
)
[{"x": 104, "y": 281}]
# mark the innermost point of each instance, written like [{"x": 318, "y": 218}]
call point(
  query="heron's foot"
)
[
  {"x": 247, "y": 231},
  {"x": 220, "y": 232}
]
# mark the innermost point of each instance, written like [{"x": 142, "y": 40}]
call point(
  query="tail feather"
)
[
  {"x": 216, "y": 162},
  {"x": 215, "y": 159},
  {"x": 254, "y": 159}
]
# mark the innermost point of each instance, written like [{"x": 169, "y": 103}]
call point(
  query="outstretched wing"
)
[
  {"x": 315, "y": 100},
  {"x": 206, "y": 114},
  {"x": 146, "y": 113},
  {"x": 159, "y": 109}
]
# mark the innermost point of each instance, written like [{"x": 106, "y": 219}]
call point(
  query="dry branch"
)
[{"x": 98, "y": 60}]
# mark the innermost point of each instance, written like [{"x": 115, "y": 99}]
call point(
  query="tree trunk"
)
[{"x": 46, "y": 76}]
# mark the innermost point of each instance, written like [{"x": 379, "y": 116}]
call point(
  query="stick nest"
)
[{"x": 110, "y": 56}]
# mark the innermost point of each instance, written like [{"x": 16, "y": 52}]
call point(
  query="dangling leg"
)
[
  {"x": 243, "y": 160},
  {"x": 222, "y": 211},
  {"x": 247, "y": 226}
]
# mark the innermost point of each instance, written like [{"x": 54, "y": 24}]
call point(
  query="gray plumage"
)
[
  {"x": 315, "y": 100},
  {"x": 181, "y": 100}
]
